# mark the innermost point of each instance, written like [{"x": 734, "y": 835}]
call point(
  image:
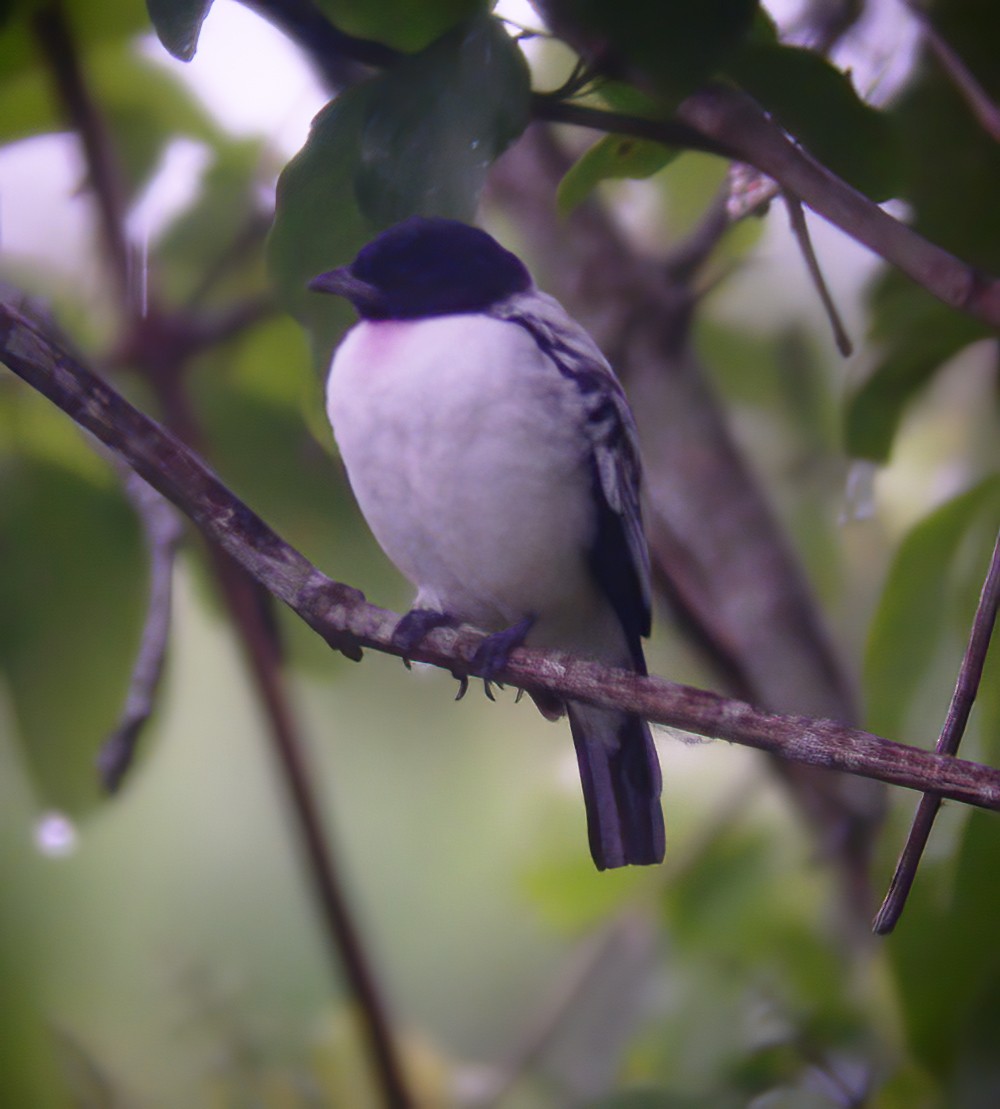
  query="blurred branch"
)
[
  {"x": 163, "y": 531},
  {"x": 63, "y": 63},
  {"x": 340, "y": 615},
  {"x": 967, "y": 685},
  {"x": 800, "y": 229},
  {"x": 983, "y": 107}
]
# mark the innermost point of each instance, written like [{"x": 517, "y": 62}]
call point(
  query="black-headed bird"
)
[{"x": 493, "y": 454}]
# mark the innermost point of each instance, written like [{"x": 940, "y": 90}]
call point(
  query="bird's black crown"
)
[{"x": 428, "y": 267}]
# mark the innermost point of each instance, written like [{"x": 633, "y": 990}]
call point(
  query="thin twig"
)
[
  {"x": 162, "y": 528},
  {"x": 982, "y": 106},
  {"x": 670, "y": 132},
  {"x": 340, "y": 615},
  {"x": 800, "y": 229},
  {"x": 966, "y": 687}
]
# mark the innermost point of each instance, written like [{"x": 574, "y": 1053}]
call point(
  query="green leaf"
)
[
  {"x": 211, "y": 230},
  {"x": 912, "y": 613},
  {"x": 677, "y": 44},
  {"x": 178, "y": 24},
  {"x": 947, "y": 965},
  {"x": 919, "y": 334},
  {"x": 317, "y": 223},
  {"x": 71, "y": 599},
  {"x": 614, "y": 156},
  {"x": 817, "y": 103},
  {"x": 951, "y": 164},
  {"x": 417, "y": 140},
  {"x": 407, "y": 25},
  {"x": 89, "y": 25},
  {"x": 436, "y": 121}
]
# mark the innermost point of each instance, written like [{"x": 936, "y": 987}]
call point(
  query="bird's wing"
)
[{"x": 618, "y": 556}]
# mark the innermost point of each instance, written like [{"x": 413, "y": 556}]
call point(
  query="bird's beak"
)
[{"x": 341, "y": 282}]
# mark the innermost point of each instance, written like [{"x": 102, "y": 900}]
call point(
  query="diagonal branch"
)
[
  {"x": 339, "y": 614},
  {"x": 966, "y": 687},
  {"x": 163, "y": 532}
]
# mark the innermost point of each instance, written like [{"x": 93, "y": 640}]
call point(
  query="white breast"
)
[{"x": 464, "y": 448}]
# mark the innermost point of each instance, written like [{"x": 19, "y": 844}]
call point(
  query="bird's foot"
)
[
  {"x": 492, "y": 654},
  {"x": 417, "y": 624}
]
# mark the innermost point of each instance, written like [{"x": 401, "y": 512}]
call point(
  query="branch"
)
[
  {"x": 966, "y": 687},
  {"x": 340, "y": 615},
  {"x": 726, "y": 121},
  {"x": 163, "y": 534}
]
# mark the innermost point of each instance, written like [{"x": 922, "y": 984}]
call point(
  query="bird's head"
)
[{"x": 427, "y": 267}]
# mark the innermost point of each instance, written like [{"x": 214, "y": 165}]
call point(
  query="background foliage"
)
[{"x": 162, "y": 949}]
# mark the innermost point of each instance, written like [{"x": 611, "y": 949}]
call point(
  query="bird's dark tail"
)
[{"x": 621, "y": 786}]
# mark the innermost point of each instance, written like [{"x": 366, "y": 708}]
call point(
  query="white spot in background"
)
[
  {"x": 56, "y": 836},
  {"x": 859, "y": 493}
]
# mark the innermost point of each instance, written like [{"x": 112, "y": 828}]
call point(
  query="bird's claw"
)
[
  {"x": 492, "y": 654},
  {"x": 415, "y": 625}
]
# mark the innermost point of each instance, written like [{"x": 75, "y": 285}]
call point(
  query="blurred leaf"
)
[
  {"x": 947, "y": 962},
  {"x": 949, "y": 167},
  {"x": 677, "y": 44},
  {"x": 436, "y": 121},
  {"x": 920, "y": 334},
  {"x": 614, "y": 156},
  {"x": 90, "y": 24},
  {"x": 911, "y": 616},
  {"x": 407, "y": 25},
  {"x": 767, "y": 1067},
  {"x": 178, "y": 24},
  {"x": 950, "y": 164},
  {"x": 222, "y": 228},
  {"x": 571, "y": 896},
  {"x": 71, "y": 599},
  {"x": 145, "y": 106},
  {"x": 664, "y": 1099},
  {"x": 342, "y": 1070},
  {"x": 817, "y": 103}
]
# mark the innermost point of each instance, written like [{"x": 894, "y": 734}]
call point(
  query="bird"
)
[{"x": 493, "y": 454}]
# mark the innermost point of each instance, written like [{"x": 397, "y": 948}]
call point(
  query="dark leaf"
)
[
  {"x": 71, "y": 598},
  {"x": 911, "y": 616},
  {"x": 317, "y": 224},
  {"x": 818, "y": 105},
  {"x": 407, "y": 25},
  {"x": 435, "y": 123},
  {"x": 674, "y": 45},
  {"x": 918, "y": 334},
  {"x": 178, "y": 24}
]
